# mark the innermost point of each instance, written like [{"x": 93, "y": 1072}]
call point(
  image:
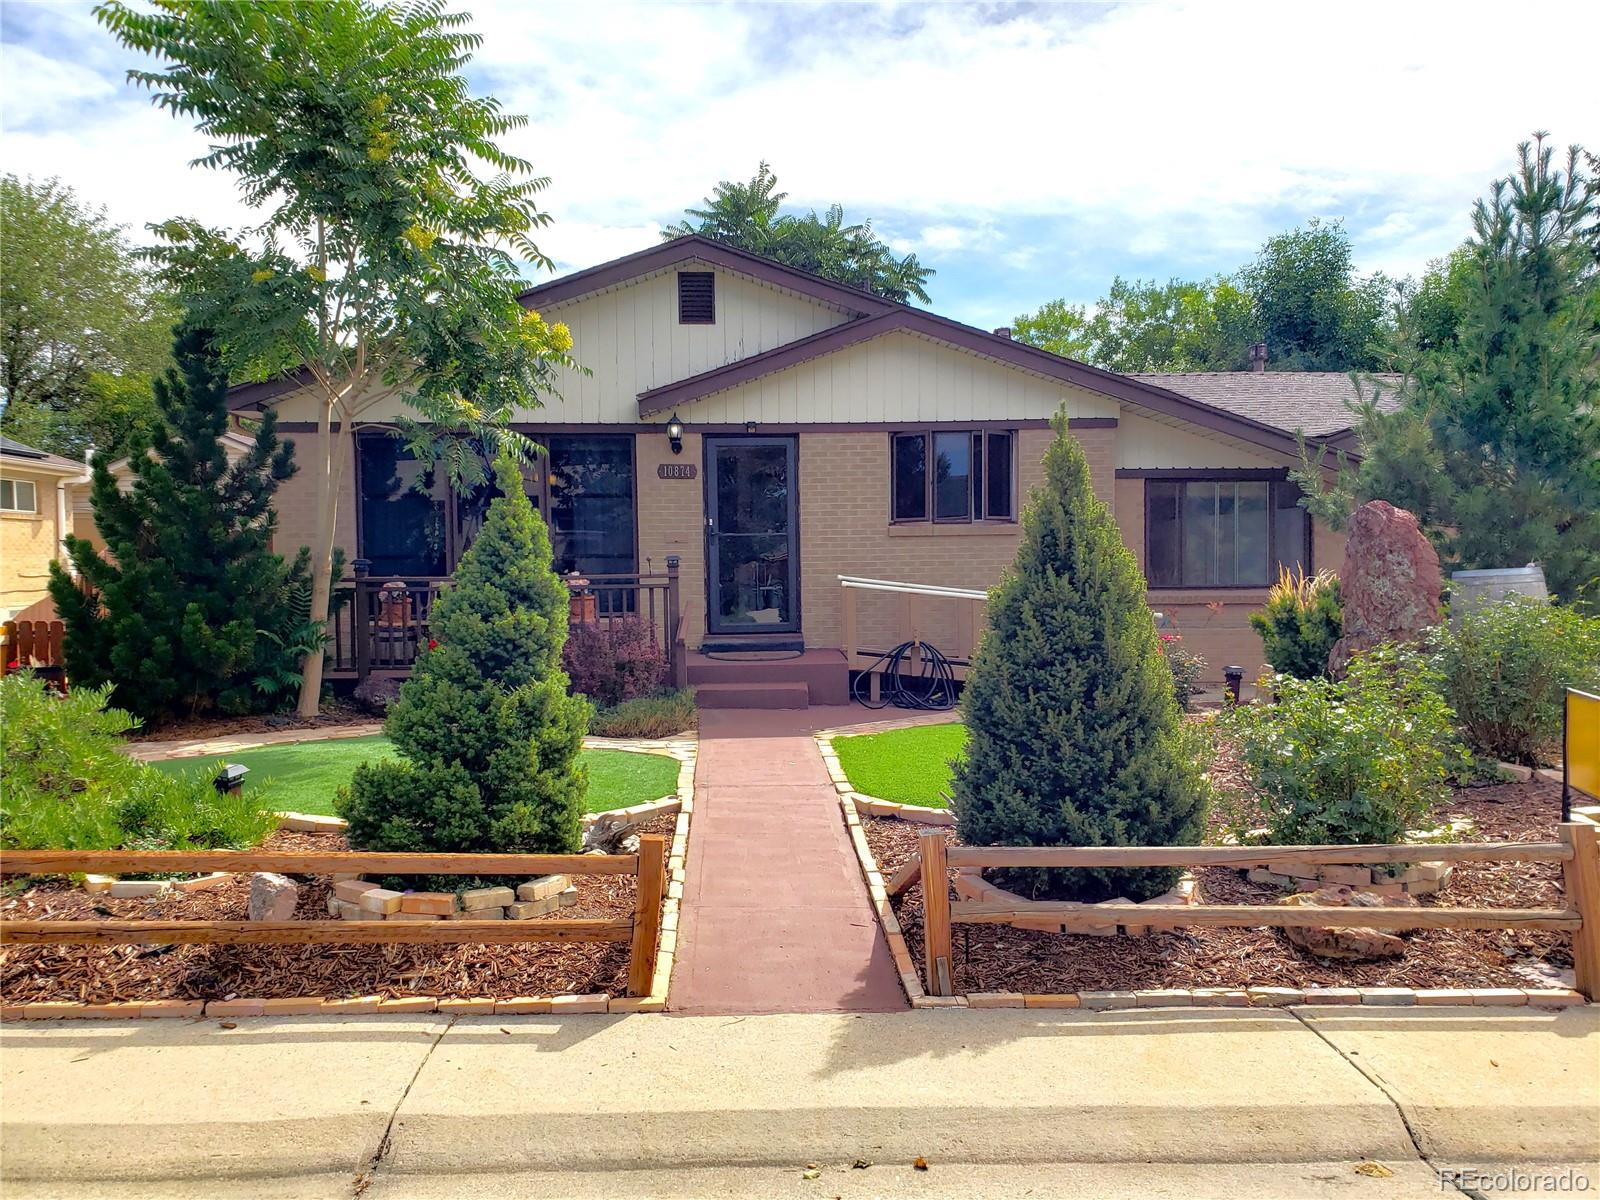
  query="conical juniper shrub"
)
[
  {"x": 488, "y": 735},
  {"x": 1074, "y": 735}
]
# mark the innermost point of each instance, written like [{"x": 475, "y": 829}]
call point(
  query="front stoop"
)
[{"x": 769, "y": 679}]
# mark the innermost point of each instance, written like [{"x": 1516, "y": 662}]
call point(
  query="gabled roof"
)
[
  {"x": 1316, "y": 403},
  {"x": 693, "y": 247}
]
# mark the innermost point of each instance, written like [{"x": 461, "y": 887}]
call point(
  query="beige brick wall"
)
[
  {"x": 845, "y": 530},
  {"x": 672, "y": 520},
  {"x": 296, "y": 501},
  {"x": 28, "y": 542}
]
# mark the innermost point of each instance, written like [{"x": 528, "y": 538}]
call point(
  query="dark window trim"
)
[
  {"x": 1269, "y": 476},
  {"x": 712, "y": 319},
  {"x": 926, "y": 431},
  {"x": 539, "y": 434}
]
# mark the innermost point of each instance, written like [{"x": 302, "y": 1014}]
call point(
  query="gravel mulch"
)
[
  {"x": 98, "y": 974},
  {"x": 997, "y": 958}
]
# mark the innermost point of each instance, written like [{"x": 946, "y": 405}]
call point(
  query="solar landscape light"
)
[{"x": 230, "y": 778}]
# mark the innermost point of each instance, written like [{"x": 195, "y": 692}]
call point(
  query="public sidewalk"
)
[
  {"x": 1171, "y": 1102},
  {"x": 775, "y": 915}
]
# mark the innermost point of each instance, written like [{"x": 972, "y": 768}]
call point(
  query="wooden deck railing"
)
[
  {"x": 1578, "y": 852},
  {"x": 642, "y": 931},
  {"x": 380, "y": 624},
  {"x": 31, "y": 646}
]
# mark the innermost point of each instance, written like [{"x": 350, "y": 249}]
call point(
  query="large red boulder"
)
[{"x": 1390, "y": 582}]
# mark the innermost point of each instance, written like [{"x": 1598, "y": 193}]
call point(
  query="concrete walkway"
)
[
  {"x": 1169, "y": 1102},
  {"x": 775, "y": 915}
]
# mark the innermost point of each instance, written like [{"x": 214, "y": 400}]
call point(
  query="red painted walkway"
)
[{"x": 775, "y": 915}]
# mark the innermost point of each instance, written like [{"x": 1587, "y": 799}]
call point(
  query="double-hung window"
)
[
  {"x": 18, "y": 495},
  {"x": 953, "y": 475},
  {"x": 1202, "y": 533}
]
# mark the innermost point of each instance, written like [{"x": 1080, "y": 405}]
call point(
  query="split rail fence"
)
[
  {"x": 642, "y": 931},
  {"x": 1578, "y": 852}
]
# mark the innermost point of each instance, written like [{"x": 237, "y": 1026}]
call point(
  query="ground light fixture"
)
[
  {"x": 230, "y": 778},
  {"x": 675, "y": 434}
]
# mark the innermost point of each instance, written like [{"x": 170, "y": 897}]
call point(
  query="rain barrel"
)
[{"x": 1473, "y": 589}]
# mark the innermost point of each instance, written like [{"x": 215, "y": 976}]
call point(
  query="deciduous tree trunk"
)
[{"x": 321, "y": 557}]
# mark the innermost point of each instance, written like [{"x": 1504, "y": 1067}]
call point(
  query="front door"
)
[{"x": 752, "y": 566}]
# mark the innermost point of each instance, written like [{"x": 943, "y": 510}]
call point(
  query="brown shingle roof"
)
[{"x": 1312, "y": 402}]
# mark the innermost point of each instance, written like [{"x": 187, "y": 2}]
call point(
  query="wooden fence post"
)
[
  {"x": 935, "y": 912},
  {"x": 647, "y": 913},
  {"x": 1581, "y": 877}
]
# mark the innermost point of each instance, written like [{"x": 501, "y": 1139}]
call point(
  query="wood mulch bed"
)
[
  {"x": 997, "y": 958},
  {"x": 335, "y": 713},
  {"x": 99, "y": 974}
]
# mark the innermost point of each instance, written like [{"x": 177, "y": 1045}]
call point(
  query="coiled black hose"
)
[{"x": 933, "y": 690}]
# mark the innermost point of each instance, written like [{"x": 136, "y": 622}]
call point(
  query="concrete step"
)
[
  {"x": 823, "y": 672},
  {"x": 751, "y": 695}
]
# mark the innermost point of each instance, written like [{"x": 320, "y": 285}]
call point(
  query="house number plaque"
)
[{"x": 677, "y": 471}]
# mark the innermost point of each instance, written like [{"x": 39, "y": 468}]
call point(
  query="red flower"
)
[
  {"x": 432, "y": 645},
  {"x": 1171, "y": 637}
]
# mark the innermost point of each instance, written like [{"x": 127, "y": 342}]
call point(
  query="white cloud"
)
[{"x": 1184, "y": 131}]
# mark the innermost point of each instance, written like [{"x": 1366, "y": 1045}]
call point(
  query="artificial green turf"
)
[
  {"x": 303, "y": 776},
  {"x": 908, "y": 766}
]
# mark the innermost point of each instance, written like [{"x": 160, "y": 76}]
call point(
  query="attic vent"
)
[{"x": 697, "y": 298}]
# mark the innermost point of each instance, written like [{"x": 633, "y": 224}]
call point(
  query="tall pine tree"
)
[
  {"x": 488, "y": 735},
  {"x": 1074, "y": 735},
  {"x": 1496, "y": 442},
  {"x": 188, "y": 610}
]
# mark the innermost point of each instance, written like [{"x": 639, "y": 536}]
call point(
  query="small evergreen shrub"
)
[
  {"x": 656, "y": 716},
  {"x": 65, "y": 784},
  {"x": 1506, "y": 668},
  {"x": 1302, "y": 620},
  {"x": 614, "y": 660},
  {"x": 1074, "y": 733},
  {"x": 1186, "y": 667},
  {"x": 488, "y": 734},
  {"x": 1358, "y": 760}
]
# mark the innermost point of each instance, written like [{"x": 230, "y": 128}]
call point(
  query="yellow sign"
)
[{"x": 1583, "y": 742}]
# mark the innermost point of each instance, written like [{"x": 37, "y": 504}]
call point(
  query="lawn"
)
[
  {"x": 909, "y": 766},
  {"x": 303, "y": 776}
]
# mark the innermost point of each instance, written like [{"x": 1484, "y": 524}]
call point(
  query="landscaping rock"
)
[
  {"x": 428, "y": 903},
  {"x": 1355, "y": 944},
  {"x": 481, "y": 898},
  {"x": 379, "y": 900},
  {"x": 543, "y": 888},
  {"x": 272, "y": 897},
  {"x": 1390, "y": 582},
  {"x": 479, "y": 914},
  {"x": 376, "y": 694}
]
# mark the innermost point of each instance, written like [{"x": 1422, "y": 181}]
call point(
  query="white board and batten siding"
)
[
  {"x": 631, "y": 341},
  {"x": 1147, "y": 444},
  {"x": 897, "y": 378}
]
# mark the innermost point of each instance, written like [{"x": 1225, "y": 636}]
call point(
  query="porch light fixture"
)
[{"x": 675, "y": 434}]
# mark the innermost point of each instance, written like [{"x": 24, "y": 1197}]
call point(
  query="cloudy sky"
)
[{"x": 1025, "y": 151}]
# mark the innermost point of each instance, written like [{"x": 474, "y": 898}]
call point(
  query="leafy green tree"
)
[
  {"x": 1496, "y": 442},
  {"x": 1312, "y": 310},
  {"x": 1177, "y": 326},
  {"x": 1074, "y": 736},
  {"x": 1058, "y": 327},
  {"x": 185, "y": 611},
  {"x": 1430, "y": 312},
  {"x": 488, "y": 735},
  {"x": 82, "y": 327},
  {"x": 750, "y": 217},
  {"x": 384, "y": 260}
]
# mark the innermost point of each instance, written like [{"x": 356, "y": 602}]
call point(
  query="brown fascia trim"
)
[
  {"x": 1204, "y": 473},
  {"x": 701, "y": 249},
  {"x": 646, "y": 428}
]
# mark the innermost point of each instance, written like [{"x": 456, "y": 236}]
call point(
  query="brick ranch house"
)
[{"x": 827, "y": 432}]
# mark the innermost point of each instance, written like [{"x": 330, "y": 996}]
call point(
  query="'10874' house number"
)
[{"x": 676, "y": 471}]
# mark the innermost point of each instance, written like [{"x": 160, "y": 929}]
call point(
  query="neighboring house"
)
[
  {"x": 38, "y": 497},
  {"x": 827, "y": 432}
]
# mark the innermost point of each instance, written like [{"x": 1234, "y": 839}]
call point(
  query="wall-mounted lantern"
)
[{"x": 675, "y": 434}]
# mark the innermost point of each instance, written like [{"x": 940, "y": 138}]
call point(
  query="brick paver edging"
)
[
  {"x": 682, "y": 803},
  {"x": 854, "y": 804}
]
